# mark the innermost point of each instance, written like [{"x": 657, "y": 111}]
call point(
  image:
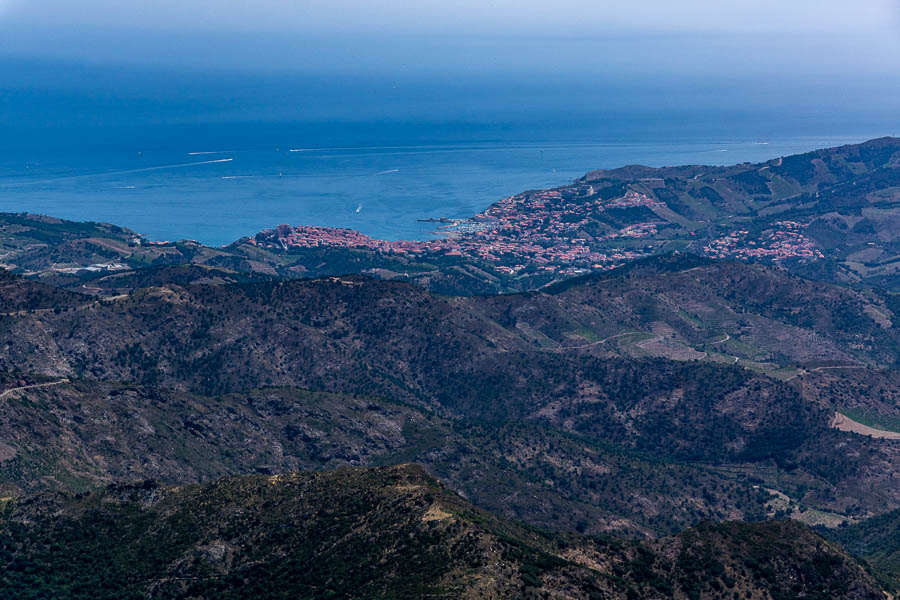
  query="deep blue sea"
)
[
  {"x": 221, "y": 159},
  {"x": 216, "y": 195}
]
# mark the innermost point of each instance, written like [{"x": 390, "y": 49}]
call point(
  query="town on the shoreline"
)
[{"x": 564, "y": 231}]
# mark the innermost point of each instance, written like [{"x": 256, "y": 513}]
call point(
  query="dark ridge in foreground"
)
[{"x": 391, "y": 532}]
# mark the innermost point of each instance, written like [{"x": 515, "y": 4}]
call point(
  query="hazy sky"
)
[
  {"x": 808, "y": 39},
  {"x": 70, "y": 61},
  {"x": 508, "y": 17}
]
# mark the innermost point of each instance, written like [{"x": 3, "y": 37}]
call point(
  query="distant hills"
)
[
  {"x": 830, "y": 215},
  {"x": 380, "y": 533}
]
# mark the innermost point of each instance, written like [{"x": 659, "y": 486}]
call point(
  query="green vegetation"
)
[
  {"x": 520, "y": 469},
  {"x": 376, "y": 533},
  {"x": 600, "y": 418},
  {"x": 877, "y": 540}
]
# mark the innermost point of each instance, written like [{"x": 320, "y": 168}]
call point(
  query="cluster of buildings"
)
[
  {"x": 307, "y": 236},
  {"x": 566, "y": 230},
  {"x": 539, "y": 231},
  {"x": 639, "y": 230},
  {"x": 634, "y": 199},
  {"x": 784, "y": 240},
  {"x": 139, "y": 240}
]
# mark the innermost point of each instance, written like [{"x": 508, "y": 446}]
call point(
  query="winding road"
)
[{"x": 32, "y": 386}]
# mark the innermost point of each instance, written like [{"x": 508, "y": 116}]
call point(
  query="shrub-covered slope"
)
[{"x": 384, "y": 533}]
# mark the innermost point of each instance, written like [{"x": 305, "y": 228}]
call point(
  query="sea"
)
[{"x": 170, "y": 166}]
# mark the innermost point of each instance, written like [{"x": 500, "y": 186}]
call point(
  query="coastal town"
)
[
  {"x": 783, "y": 241},
  {"x": 552, "y": 230},
  {"x": 564, "y": 231}
]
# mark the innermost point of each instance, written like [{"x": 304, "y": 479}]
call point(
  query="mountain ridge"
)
[
  {"x": 566, "y": 364},
  {"x": 389, "y": 532}
]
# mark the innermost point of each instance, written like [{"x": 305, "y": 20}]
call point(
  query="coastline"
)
[{"x": 220, "y": 203}]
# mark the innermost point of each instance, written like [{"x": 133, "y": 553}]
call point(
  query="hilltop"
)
[{"x": 379, "y": 533}]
